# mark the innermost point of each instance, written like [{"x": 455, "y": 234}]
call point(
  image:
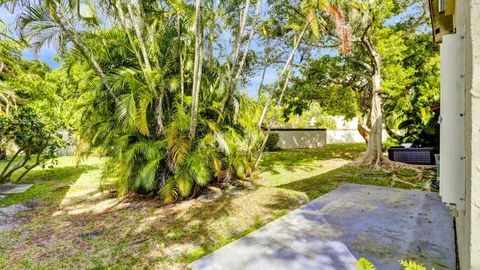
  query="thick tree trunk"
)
[
  {"x": 374, "y": 150},
  {"x": 374, "y": 155},
  {"x": 363, "y": 129}
]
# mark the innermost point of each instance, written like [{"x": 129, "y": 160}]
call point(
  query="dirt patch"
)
[{"x": 9, "y": 218}]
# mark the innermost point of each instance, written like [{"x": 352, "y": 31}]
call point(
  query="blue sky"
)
[{"x": 46, "y": 54}]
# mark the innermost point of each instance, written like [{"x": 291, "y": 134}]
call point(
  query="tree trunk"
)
[
  {"x": 374, "y": 150},
  {"x": 129, "y": 36},
  {"x": 3, "y": 175},
  {"x": 180, "y": 55},
  {"x": 247, "y": 46},
  {"x": 272, "y": 120},
  {"x": 159, "y": 112},
  {"x": 363, "y": 129},
  {"x": 374, "y": 157},
  {"x": 137, "y": 27},
  {"x": 260, "y": 87},
  {"x": 282, "y": 73},
  {"x": 197, "y": 70},
  {"x": 234, "y": 60}
]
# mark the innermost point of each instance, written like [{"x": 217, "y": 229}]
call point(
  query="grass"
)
[{"x": 74, "y": 223}]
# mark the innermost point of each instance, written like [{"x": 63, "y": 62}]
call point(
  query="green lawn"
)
[{"x": 76, "y": 220}]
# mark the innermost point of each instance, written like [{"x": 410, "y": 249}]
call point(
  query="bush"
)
[
  {"x": 272, "y": 141},
  {"x": 36, "y": 142}
]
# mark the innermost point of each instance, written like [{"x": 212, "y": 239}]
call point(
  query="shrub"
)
[
  {"x": 36, "y": 142},
  {"x": 272, "y": 141}
]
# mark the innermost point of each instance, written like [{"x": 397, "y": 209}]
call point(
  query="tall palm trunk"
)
[
  {"x": 282, "y": 73},
  {"x": 123, "y": 22},
  {"x": 197, "y": 70},
  {"x": 262, "y": 79},
  {"x": 272, "y": 120},
  {"x": 249, "y": 40},
  {"x": 136, "y": 23},
  {"x": 180, "y": 55},
  {"x": 234, "y": 59}
]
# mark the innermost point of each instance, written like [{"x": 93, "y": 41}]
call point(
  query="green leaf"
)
[{"x": 364, "y": 264}]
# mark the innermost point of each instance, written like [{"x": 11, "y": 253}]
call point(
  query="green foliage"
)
[
  {"x": 314, "y": 116},
  {"x": 364, "y": 264},
  {"x": 151, "y": 153},
  {"x": 272, "y": 141},
  {"x": 36, "y": 141},
  {"x": 409, "y": 67},
  {"x": 408, "y": 109},
  {"x": 411, "y": 265},
  {"x": 325, "y": 82}
]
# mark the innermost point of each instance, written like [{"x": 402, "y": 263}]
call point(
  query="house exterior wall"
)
[
  {"x": 468, "y": 222},
  {"x": 467, "y": 24}
]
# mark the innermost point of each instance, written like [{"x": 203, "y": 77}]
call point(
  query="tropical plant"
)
[
  {"x": 364, "y": 264},
  {"x": 152, "y": 109},
  {"x": 9, "y": 58}
]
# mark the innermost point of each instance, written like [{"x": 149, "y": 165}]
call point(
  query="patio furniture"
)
[{"x": 414, "y": 155}]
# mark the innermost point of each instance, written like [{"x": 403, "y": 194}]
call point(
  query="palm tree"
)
[
  {"x": 197, "y": 70},
  {"x": 54, "y": 20}
]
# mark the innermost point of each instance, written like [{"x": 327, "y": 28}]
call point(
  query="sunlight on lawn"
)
[
  {"x": 89, "y": 193},
  {"x": 283, "y": 167}
]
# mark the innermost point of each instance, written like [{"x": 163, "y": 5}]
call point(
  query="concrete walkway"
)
[
  {"x": 9, "y": 188},
  {"x": 381, "y": 224}
]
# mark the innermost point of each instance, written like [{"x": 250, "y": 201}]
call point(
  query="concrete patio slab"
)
[
  {"x": 381, "y": 224},
  {"x": 14, "y": 188}
]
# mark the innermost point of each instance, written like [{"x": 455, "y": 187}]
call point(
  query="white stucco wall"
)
[
  {"x": 348, "y": 136},
  {"x": 467, "y": 23},
  {"x": 344, "y": 136},
  {"x": 301, "y": 138},
  {"x": 469, "y": 224}
]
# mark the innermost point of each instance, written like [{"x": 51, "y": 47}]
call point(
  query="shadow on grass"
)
[
  {"x": 290, "y": 159},
  {"x": 320, "y": 184}
]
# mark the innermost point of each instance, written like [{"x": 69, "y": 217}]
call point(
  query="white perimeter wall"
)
[
  {"x": 344, "y": 136},
  {"x": 317, "y": 138},
  {"x": 298, "y": 139}
]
